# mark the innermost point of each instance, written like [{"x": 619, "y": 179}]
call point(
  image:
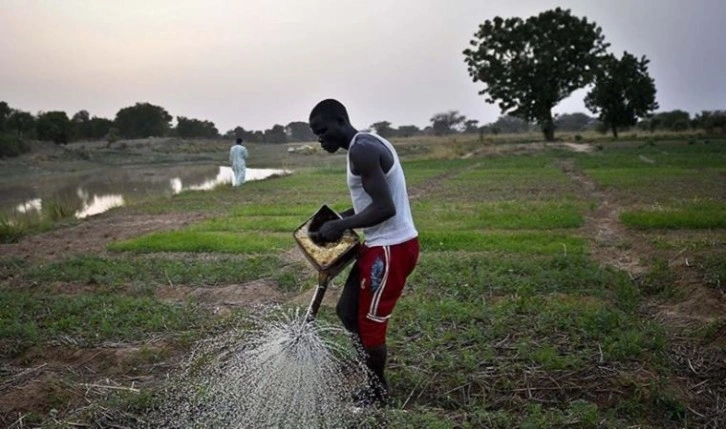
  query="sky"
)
[{"x": 256, "y": 63}]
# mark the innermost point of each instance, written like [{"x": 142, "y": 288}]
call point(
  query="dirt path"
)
[
  {"x": 699, "y": 365},
  {"x": 610, "y": 242}
]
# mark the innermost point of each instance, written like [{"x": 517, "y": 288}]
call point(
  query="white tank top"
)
[{"x": 398, "y": 228}]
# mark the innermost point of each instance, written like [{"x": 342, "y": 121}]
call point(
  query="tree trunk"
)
[
  {"x": 615, "y": 131},
  {"x": 548, "y": 129}
]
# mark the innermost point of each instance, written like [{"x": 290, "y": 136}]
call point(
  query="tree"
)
[
  {"x": 21, "y": 123},
  {"x": 445, "y": 123},
  {"x": 471, "y": 126},
  {"x": 98, "y": 128},
  {"x": 81, "y": 116},
  {"x": 508, "y": 124},
  {"x": 710, "y": 121},
  {"x": 623, "y": 92},
  {"x": 142, "y": 120},
  {"x": 299, "y": 132},
  {"x": 529, "y": 66},
  {"x": 276, "y": 134},
  {"x": 408, "y": 130},
  {"x": 81, "y": 122},
  {"x": 674, "y": 120},
  {"x": 5, "y": 112},
  {"x": 54, "y": 126},
  {"x": 574, "y": 122},
  {"x": 112, "y": 136},
  {"x": 190, "y": 128},
  {"x": 384, "y": 129}
]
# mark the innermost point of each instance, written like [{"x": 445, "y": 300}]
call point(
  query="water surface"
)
[{"x": 92, "y": 193}]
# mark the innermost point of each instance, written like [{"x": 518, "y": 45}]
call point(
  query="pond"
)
[{"x": 91, "y": 193}]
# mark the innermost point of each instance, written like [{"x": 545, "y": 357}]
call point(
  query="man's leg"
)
[
  {"x": 376, "y": 363},
  {"x": 347, "y": 307},
  {"x": 383, "y": 274}
]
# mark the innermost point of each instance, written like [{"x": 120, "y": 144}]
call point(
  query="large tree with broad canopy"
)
[{"x": 529, "y": 66}]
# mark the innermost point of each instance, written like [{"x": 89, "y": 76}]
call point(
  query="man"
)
[
  {"x": 237, "y": 157},
  {"x": 380, "y": 206}
]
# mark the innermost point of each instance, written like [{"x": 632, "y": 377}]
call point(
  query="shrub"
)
[{"x": 11, "y": 146}]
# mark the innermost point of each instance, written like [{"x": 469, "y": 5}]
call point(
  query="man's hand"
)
[{"x": 329, "y": 232}]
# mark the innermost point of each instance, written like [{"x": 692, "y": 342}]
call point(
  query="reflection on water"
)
[
  {"x": 28, "y": 206},
  {"x": 98, "y": 204},
  {"x": 225, "y": 175},
  {"x": 92, "y": 194}
]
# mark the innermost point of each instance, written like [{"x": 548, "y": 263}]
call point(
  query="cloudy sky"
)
[{"x": 255, "y": 63}]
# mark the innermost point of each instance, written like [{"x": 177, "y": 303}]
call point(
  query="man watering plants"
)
[{"x": 380, "y": 206}]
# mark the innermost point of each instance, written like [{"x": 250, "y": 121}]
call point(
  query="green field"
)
[{"x": 514, "y": 317}]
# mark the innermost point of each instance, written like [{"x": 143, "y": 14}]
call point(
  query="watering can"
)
[{"x": 329, "y": 259}]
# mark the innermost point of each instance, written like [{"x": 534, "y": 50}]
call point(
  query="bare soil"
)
[{"x": 93, "y": 235}]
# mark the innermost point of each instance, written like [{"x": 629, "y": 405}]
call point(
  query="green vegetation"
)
[
  {"x": 512, "y": 64},
  {"x": 699, "y": 215},
  {"x": 155, "y": 271},
  {"x": 205, "y": 241},
  {"x": 498, "y": 215},
  {"x": 623, "y": 92},
  {"x": 11, "y": 146},
  {"x": 29, "y": 318},
  {"x": 53, "y": 212},
  {"x": 509, "y": 320}
]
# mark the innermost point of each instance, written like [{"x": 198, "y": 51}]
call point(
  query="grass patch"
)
[
  {"x": 10, "y": 231},
  {"x": 660, "y": 280},
  {"x": 663, "y": 154},
  {"x": 714, "y": 267},
  {"x": 702, "y": 215},
  {"x": 27, "y": 318},
  {"x": 498, "y": 215},
  {"x": 206, "y": 241},
  {"x": 497, "y": 241},
  {"x": 470, "y": 276},
  {"x": 15, "y": 227},
  {"x": 281, "y": 224},
  {"x": 156, "y": 271}
]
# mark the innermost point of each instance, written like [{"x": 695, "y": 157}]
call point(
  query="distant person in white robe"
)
[{"x": 237, "y": 156}]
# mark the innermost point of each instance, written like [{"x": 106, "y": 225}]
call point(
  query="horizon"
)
[{"x": 263, "y": 63}]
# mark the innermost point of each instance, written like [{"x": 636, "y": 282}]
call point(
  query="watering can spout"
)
[{"x": 323, "y": 281}]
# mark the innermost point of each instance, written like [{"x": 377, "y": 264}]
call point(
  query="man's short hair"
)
[
  {"x": 239, "y": 140},
  {"x": 330, "y": 108}
]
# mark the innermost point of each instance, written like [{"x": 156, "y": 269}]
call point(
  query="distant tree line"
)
[
  {"x": 452, "y": 122},
  {"x": 144, "y": 120},
  {"x": 293, "y": 132},
  {"x": 141, "y": 120}
]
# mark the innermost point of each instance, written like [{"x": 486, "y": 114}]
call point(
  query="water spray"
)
[{"x": 276, "y": 370}]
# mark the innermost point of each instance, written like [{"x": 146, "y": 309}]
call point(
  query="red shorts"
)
[{"x": 383, "y": 273}]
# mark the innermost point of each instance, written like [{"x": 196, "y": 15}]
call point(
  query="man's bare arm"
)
[{"x": 367, "y": 163}]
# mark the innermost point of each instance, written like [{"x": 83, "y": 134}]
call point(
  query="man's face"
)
[{"x": 329, "y": 132}]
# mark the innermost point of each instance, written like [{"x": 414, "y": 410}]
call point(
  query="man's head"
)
[
  {"x": 330, "y": 123},
  {"x": 239, "y": 140}
]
